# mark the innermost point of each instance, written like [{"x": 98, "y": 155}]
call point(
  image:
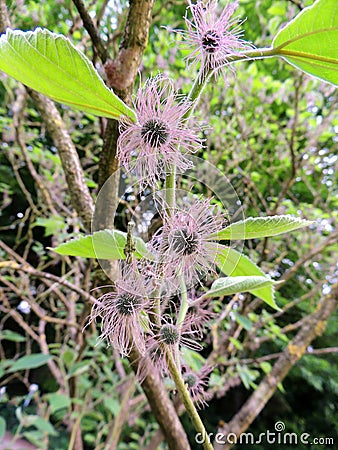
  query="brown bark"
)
[
  {"x": 313, "y": 327},
  {"x": 92, "y": 31},
  {"x": 79, "y": 193},
  {"x": 4, "y": 20},
  {"x": 161, "y": 406},
  {"x": 121, "y": 74}
]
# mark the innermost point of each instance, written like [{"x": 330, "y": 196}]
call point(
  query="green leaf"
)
[
  {"x": 247, "y": 376},
  {"x": 58, "y": 401},
  {"x": 44, "y": 425},
  {"x": 266, "y": 367},
  {"x": 309, "y": 42},
  {"x": 258, "y": 227},
  {"x": 10, "y": 335},
  {"x": 30, "y": 362},
  {"x": 243, "y": 321},
  {"x": 233, "y": 285},
  {"x": 53, "y": 225},
  {"x": 104, "y": 244},
  {"x": 192, "y": 358},
  {"x": 50, "y": 64},
  {"x": 112, "y": 405},
  {"x": 233, "y": 263},
  {"x": 236, "y": 343},
  {"x": 69, "y": 356},
  {"x": 2, "y": 427}
]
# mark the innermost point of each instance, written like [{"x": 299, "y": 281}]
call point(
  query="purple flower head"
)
[
  {"x": 120, "y": 313},
  {"x": 169, "y": 336},
  {"x": 160, "y": 138},
  {"x": 214, "y": 36},
  {"x": 197, "y": 383},
  {"x": 184, "y": 241}
]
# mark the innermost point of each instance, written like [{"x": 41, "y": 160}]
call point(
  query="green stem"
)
[
  {"x": 196, "y": 90},
  {"x": 257, "y": 53},
  {"x": 170, "y": 186},
  {"x": 188, "y": 403},
  {"x": 184, "y": 303}
]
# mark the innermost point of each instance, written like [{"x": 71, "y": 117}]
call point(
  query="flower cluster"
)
[
  {"x": 185, "y": 251},
  {"x": 142, "y": 312}
]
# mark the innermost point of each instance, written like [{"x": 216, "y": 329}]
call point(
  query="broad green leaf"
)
[
  {"x": 112, "y": 405},
  {"x": 247, "y": 375},
  {"x": 245, "y": 322},
  {"x": 69, "y": 356},
  {"x": 236, "y": 343},
  {"x": 58, "y": 401},
  {"x": 266, "y": 367},
  {"x": 50, "y": 64},
  {"x": 233, "y": 285},
  {"x": 30, "y": 362},
  {"x": 233, "y": 263},
  {"x": 10, "y": 335},
  {"x": 104, "y": 244},
  {"x": 309, "y": 42},
  {"x": 258, "y": 227},
  {"x": 53, "y": 225},
  {"x": 41, "y": 424}
]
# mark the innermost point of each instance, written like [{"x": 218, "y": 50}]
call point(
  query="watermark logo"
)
[
  {"x": 278, "y": 436},
  {"x": 279, "y": 426}
]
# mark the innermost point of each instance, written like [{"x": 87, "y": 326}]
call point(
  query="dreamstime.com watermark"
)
[{"x": 270, "y": 437}]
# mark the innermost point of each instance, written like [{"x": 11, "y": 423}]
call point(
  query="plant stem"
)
[
  {"x": 197, "y": 89},
  {"x": 188, "y": 403},
  {"x": 170, "y": 186},
  {"x": 184, "y": 303}
]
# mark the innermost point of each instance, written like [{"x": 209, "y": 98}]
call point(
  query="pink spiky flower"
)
[
  {"x": 184, "y": 242},
  {"x": 120, "y": 312},
  {"x": 160, "y": 138},
  {"x": 215, "y": 37},
  {"x": 168, "y": 336},
  {"x": 197, "y": 383}
]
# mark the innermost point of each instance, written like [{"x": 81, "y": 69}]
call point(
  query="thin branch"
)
[
  {"x": 80, "y": 196},
  {"x": 4, "y": 20},
  {"x": 121, "y": 74},
  {"x": 296, "y": 348},
  {"x": 160, "y": 404},
  {"x": 114, "y": 436},
  {"x": 18, "y": 110},
  {"x": 331, "y": 239},
  {"x": 309, "y": 351},
  {"x": 92, "y": 31}
]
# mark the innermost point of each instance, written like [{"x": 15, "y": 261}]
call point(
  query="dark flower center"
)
[
  {"x": 184, "y": 242},
  {"x": 211, "y": 41},
  {"x": 169, "y": 334},
  {"x": 190, "y": 379},
  {"x": 155, "y": 133},
  {"x": 127, "y": 303}
]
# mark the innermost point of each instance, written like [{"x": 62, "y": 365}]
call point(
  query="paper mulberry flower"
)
[
  {"x": 215, "y": 37},
  {"x": 197, "y": 383},
  {"x": 160, "y": 138},
  {"x": 184, "y": 242},
  {"x": 120, "y": 311},
  {"x": 169, "y": 337}
]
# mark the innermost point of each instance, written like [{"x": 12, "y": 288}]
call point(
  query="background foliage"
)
[{"x": 274, "y": 134}]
